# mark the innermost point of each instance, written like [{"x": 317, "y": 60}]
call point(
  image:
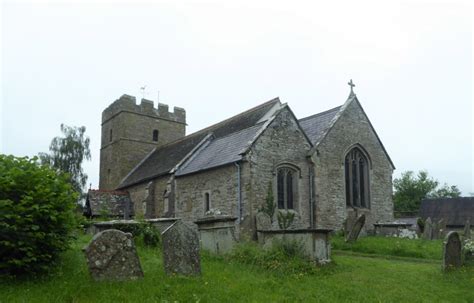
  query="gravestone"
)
[
  {"x": 434, "y": 230},
  {"x": 349, "y": 222},
  {"x": 356, "y": 228},
  {"x": 111, "y": 255},
  {"x": 428, "y": 231},
  {"x": 467, "y": 229},
  {"x": 181, "y": 250},
  {"x": 263, "y": 221},
  {"x": 441, "y": 228},
  {"x": 452, "y": 251}
]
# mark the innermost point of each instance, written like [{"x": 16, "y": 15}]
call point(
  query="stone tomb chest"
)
[
  {"x": 217, "y": 234},
  {"x": 314, "y": 242}
]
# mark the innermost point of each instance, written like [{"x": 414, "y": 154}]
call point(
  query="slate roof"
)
[
  {"x": 454, "y": 210},
  {"x": 163, "y": 159},
  {"x": 315, "y": 125},
  {"x": 112, "y": 203},
  {"x": 220, "y": 151}
]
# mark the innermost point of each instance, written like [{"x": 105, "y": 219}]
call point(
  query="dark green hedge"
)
[{"x": 36, "y": 215}]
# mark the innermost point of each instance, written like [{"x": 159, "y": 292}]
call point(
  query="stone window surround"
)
[
  {"x": 297, "y": 174},
  {"x": 369, "y": 171},
  {"x": 156, "y": 134},
  {"x": 207, "y": 201}
]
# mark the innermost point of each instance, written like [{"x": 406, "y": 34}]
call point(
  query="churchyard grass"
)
[
  {"x": 390, "y": 246},
  {"x": 232, "y": 279}
]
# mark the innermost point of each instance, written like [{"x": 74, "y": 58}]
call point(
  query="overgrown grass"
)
[
  {"x": 247, "y": 276},
  {"x": 390, "y": 246}
]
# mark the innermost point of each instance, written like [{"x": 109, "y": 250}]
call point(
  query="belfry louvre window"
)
[
  {"x": 286, "y": 184},
  {"x": 357, "y": 179},
  {"x": 155, "y": 135}
]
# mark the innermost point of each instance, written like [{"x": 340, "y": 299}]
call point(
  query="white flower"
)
[{"x": 406, "y": 233}]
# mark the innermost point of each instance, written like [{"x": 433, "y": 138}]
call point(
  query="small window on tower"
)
[
  {"x": 155, "y": 135},
  {"x": 110, "y": 135}
]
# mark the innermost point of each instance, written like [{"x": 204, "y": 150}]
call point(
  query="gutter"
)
[
  {"x": 239, "y": 193},
  {"x": 312, "y": 191}
]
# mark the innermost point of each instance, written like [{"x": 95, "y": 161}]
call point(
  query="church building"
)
[{"x": 323, "y": 168}]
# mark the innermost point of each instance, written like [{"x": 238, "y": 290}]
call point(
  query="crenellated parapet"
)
[{"x": 127, "y": 103}]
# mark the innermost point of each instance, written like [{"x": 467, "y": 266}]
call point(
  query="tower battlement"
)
[
  {"x": 130, "y": 131},
  {"x": 127, "y": 103}
]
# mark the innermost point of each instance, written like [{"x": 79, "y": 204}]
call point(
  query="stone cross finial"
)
[{"x": 351, "y": 84}]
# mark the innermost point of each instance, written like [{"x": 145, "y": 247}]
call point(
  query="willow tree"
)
[{"x": 67, "y": 153}]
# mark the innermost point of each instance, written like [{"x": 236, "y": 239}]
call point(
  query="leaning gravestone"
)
[
  {"x": 428, "y": 231},
  {"x": 181, "y": 250},
  {"x": 452, "y": 251},
  {"x": 467, "y": 229},
  {"x": 349, "y": 222},
  {"x": 435, "y": 230},
  {"x": 356, "y": 228},
  {"x": 441, "y": 228},
  {"x": 263, "y": 221},
  {"x": 111, "y": 255}
]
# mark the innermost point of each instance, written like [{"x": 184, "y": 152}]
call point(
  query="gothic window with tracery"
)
[
  {"x": 286, "y": 184},
  {"x": 356, "y": 168}
]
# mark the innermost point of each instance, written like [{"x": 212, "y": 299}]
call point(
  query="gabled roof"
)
[
  {"x": 231, "y": 148},
  {"x": 315, "y": 125},
  {"x": 455, "y": 211},
  {"x": 163, "y": 159},
  {"x": 220, "y": 151},
  {"x": 332, "y": 116},
  {"x": 109, "y": 203}
]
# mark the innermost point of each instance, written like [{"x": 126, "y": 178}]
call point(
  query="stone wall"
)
[
  {"x": 139, "y": 192},
  {"x": 131, "y": 139},
  {"x": 220, "y": 183},
  {"x": 282, "y": 143},
  {"x": 351, "y": 128}
]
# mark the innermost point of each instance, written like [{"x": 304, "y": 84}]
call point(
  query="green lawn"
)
[
  {"x": 390, "y": 246},
  {"x": 350, "y": 279}
]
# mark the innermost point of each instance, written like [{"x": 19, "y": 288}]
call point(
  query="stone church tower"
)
[{"x": 130, "y": 132}]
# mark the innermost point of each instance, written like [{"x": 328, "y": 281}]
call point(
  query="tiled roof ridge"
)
[
  {"x": 321, "y": 113},
  {"x": 213, "y": 126}
]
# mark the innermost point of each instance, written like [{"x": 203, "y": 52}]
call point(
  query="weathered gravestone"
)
[
  {"x": 111, "y": 255},
  {"x": 452, "y": 251},
  {"x": 356, "y": 228},
  {"x": 441, "y": 228},
  {"x": 435, "y": 230},
  {"x": 428, "y": 230},
  {"x": 467, "y": 229},
  {"x": 263, "y": 221},
  {"x": 349, "y": 222},
  {"x": 181, "y": 250}
]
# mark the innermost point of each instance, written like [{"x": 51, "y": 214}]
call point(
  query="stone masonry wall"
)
[
  {"x": 281, "y": 143},
  {"x": 220, "y": 183},
  {"x": 138, "y": 194},
  {"x": 351, "y": 128}
]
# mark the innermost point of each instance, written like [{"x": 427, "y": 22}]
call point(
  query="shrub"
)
[
  {"x": 37, "y": 215},
  {"x": 151, "y": 236}
]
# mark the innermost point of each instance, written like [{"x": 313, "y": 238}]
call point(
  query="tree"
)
[
  {"x": 410, "y": 190},
  {"x": 67, "y": 154},
  {"x": 37, "y": 215}
]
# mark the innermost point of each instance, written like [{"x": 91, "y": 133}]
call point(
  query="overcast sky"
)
[{"x": 64, "y": 62}]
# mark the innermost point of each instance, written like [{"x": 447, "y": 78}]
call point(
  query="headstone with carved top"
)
[
  {"x": 428, "y": 229},
  {"x": 111, "y": 255},
  {"x": 467, "y": 229},
  {"x": 181, "y": 250},
  {"x": 452, "y": 251}
]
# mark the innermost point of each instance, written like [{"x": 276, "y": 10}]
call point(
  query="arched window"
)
[
  {"x": 155, "y": 135},
  {"x": 286, "y": 185},
  {"x": 357, "y": 179}
]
